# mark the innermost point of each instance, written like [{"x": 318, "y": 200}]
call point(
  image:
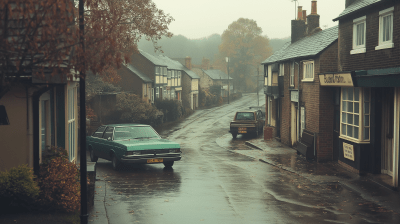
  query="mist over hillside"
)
[{"x": 180, "y": 46}]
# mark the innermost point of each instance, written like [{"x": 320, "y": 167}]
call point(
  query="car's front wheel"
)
[
  {"x": 168, "y": 164},
  {"x": 93, "y": 157},
  {"x": 234, "y": 135},
  {"x": 116, "y": 164}
]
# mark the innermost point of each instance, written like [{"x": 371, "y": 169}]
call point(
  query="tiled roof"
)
[
  {"x": 357, "y": 5},
  {"x": 154, "y": 59},
  {"x": 216, "y": 74},
  {"x": 142, "y": 76},
  {"x": 173, "y": 64},
  {"x": 277, "y": 54},
  {"x": 306, "y": 47}
]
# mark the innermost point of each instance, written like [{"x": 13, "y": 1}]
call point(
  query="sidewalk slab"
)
[{"x": 286, "y": 158}]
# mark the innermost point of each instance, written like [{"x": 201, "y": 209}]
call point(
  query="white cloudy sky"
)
[{"x": 201, "y": 18}]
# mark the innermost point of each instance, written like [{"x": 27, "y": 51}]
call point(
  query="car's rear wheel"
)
[
  {"x": 116, "y": 164},
  {"x": 234, "y": 135},
  {"x": 93, "y": 157},
  {"x": 168, "y": 164}
]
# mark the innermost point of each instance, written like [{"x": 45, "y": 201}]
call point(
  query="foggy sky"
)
[{"x": 196, "y": 19}]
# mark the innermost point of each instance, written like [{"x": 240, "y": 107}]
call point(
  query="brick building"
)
[
  {"x": 295, "y": 101},
  {"x": 367, "y": 88}
]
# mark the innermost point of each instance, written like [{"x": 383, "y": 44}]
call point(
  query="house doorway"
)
[
  {"x": 387, "y": 133},
  {"x": 293, "y": 124}
]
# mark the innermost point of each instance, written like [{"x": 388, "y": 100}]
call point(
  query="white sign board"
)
[{"x": 348, "y": 151}]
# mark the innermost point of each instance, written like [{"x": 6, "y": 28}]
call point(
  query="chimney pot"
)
[
  {"x": 299, "y": 12},
  {"x": 304, "y": 15},
  {"x": 314, "y": 7}
]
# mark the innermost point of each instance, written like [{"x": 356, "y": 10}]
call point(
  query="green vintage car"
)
[{"x": 131, "y": 143}]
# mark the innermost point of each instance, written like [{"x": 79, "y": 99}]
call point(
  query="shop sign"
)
[
  {"x": 348, "y": 151},
  {"x": 294, "y": 96},
  {"x": 342, "y": 79}
]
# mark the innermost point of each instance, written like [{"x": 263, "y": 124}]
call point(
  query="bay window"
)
[{"x": 355, "y": 114}]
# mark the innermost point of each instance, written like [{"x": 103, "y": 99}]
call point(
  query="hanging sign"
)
[
  {"x": 348, "y": 151},
  {"x": 341, "y": 79}
]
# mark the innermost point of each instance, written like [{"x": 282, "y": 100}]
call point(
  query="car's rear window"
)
[{"x": 245, "y": 116}]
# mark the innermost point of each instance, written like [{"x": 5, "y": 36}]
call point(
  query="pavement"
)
[{"x": 370, "y": 187}]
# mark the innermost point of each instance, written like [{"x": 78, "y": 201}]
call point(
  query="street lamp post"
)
[{"x": 227, "y": 65}]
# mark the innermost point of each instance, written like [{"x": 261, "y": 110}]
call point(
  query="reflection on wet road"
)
[{"x": 219, "y": 180}]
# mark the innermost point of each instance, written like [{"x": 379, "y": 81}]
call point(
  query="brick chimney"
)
[
  {"x": 298, "y": 26},
  {"x": 313, "y": 19},
  {"x": 188, "y": 62},
  {"x": 349, "y": 2},
  {"x": 304, "y": 15}
]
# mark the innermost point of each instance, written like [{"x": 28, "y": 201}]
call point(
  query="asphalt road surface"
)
[{"x": 217, "y": 181}]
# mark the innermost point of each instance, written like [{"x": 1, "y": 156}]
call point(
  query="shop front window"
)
[{"x": 355, "y": 114}]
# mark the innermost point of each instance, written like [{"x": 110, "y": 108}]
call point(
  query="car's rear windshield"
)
[
  {"x": 134, "y": 132},
  {"x": 245, "y": 116}
]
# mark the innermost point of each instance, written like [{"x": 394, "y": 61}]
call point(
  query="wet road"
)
[{"x": 220, "y": 180}]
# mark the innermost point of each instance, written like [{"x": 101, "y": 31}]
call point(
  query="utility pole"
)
[
  {"x": 227, "y": 64},
  {"x": 82, "y": 104}
]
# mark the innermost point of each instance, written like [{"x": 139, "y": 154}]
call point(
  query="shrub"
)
[
  {"x": 172, "y": 109},
  {"x": 18, "y": 188},
  {"x": 58, "y": 181},
  {"x": 132, "y": 109}
]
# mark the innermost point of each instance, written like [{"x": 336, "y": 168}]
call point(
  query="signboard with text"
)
[
  {"x": 342, "y": 79},
  {"x": 348, "y": 151}
]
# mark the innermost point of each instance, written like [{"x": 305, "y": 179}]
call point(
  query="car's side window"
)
[
  {"x": 108, "y": 133},
  {"x": 99, "y": 132}
]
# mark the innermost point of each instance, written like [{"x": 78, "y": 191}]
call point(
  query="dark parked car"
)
[
  {"x": 244, "y": 122},
  {"x": 131, "y": 143}
]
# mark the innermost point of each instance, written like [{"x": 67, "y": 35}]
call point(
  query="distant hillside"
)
[{"x": 180, "y": 47}]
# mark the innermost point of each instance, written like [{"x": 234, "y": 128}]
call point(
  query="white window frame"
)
[
  {"x": 281, "y": 69},
  {"x": 157, "y": 92},
  {"x": 152, "y": 95},
  {"x": 157, "y": 70},
  {"x": 359, "y": 48},
  {"x": 385, "y": 44},
  {"x": 360, "y": 119},
  {"x": 71, "y": 94},
  {"x": 302, "y": 120},
  {"x": 292, "y": 74},
  {"x": 308, "y": 71}
]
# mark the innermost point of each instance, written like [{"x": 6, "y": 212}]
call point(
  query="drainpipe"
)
[{"x": 298, "y": 103}]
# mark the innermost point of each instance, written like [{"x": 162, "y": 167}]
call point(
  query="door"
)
[
  {"x": 387, "y": 131},
  {"x": 293, "y": 124}
]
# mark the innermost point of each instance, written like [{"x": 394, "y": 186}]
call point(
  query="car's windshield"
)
[
  {"x": 134, "y": 132},
  {"x": 245, "y": 116}
]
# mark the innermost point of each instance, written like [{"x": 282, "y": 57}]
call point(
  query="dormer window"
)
[
  {"x": 385, "y": 29},
  {"x": 359, "y": 28}
]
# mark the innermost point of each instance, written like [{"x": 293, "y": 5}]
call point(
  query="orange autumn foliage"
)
[{"x": 41, "y": 37}]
